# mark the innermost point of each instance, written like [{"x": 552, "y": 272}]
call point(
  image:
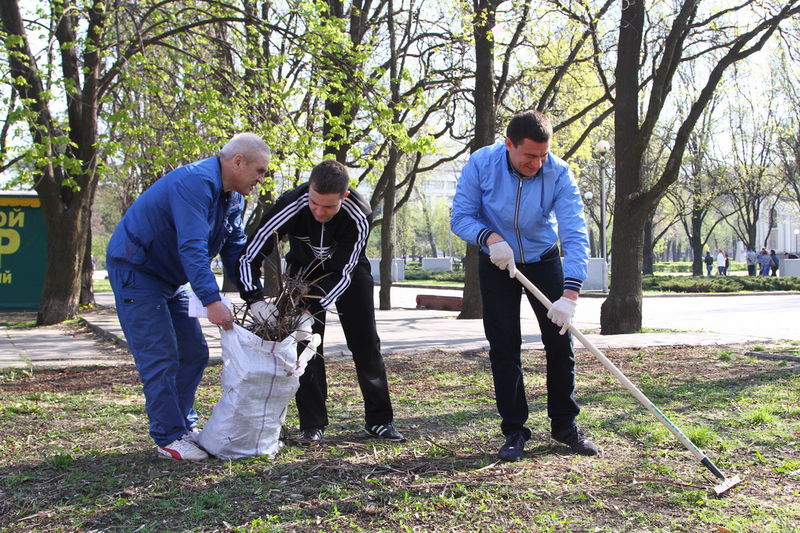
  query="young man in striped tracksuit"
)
[{"x": 327, "y": 224}]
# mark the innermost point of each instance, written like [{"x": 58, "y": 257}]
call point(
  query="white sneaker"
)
[
  {"x": 182, "y": 449},
  {"x": 193, "y": 435}
]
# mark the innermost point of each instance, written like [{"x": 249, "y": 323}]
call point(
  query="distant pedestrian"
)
[
  {"x": 727, "y": 261},
  {"x": 720, "y": 263},
  {"x": 773, "y": 262},
  {"x": 763, "y": 259},
  {"x": 709, "y": 262},
  {"x": 751, "y": 261}
]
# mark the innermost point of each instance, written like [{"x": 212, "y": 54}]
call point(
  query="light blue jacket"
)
[
  {"x": 531, "y": 214},
  {"x": 174, "y": 229}
]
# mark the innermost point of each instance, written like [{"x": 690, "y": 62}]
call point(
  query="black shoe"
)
[
  {"x": 577, "y": 442},
  {"x": 512, "y": 449},
  {"x": 311, "y": 436},
  {"x": 384, "y": 431}
]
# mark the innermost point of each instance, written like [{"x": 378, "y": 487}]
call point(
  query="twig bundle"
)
[{"x": 291, "y": 303}]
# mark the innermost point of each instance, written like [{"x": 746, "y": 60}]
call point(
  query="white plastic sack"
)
[
  {"x": 198, "y": 310},
  {"x": 258, "y": 381}
]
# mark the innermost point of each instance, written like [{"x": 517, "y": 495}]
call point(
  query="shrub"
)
[
  {"x": 719, "y": 283},
  {"x": 414, "y": 272},
  {"x": 686, "y": 266},
  {"x": 673, "y": 266}
]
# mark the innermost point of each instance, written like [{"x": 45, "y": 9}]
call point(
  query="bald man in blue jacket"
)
[{"x": 166, "y": 239}]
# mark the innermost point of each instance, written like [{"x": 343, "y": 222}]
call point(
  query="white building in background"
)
[
  {"x": 784, "y": 233},
  {"x": 779, "y": 230},
  {"x": 439, "y": 184}
]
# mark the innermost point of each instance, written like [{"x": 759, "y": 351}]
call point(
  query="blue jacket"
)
[
  {"x": 531, "y": 214},
  {"x": 174, "y": 229}
]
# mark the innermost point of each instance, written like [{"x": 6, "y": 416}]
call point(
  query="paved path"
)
[{"x": 698, "y": 320}]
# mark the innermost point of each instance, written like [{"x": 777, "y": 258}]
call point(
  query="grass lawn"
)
[{"x": 75, "y": 456}]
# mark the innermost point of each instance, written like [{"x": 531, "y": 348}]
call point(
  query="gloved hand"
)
[
  {"x": 265, "y": 312},
  {"x": 502, "y": 256},
  {"x": 305, "y": 322},
  {"x": 561, "y": 313}
]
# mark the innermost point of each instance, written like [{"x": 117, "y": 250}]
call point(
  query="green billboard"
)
[{"x": 23, "y": 250}]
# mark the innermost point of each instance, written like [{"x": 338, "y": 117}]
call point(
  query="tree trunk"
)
[
  {"x": 87, "y": 272},
  {"x": 472, "y": 293},
  {"x": 387, "y": 232},
  {"x": 485, "y": 117},
  {"x": 66, "y": 238},
  {"x": 647, "y": 258},
  {"x": 621, "y": 312},
  {"x": 696, "y": 242},
  {"x": 390, "y": 190}
]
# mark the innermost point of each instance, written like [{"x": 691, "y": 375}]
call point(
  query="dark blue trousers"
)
[
  {"x": 501, "y": 321},
  {"x": 168, "y": 347}
]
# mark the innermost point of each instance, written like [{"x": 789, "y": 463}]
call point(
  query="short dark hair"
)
[
  {"x": 533, "y": 125},
  {"x": 329, "y": 177}
]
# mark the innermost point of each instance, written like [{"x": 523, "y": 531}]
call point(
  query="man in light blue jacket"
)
[
  {"x": 167, "y": 238},
  {"x": 516, "y": 201}
]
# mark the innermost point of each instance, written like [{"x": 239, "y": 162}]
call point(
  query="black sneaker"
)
[
  {"x": 384, "y": 431},
  {"x": 577, "y": 442},
  {"x": 311, "y": 436},
  {"x": 513, "y": 448}
]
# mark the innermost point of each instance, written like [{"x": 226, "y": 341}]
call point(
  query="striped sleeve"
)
[
  {"x": 260, "y": 244},
  {"x": 348, "y": 255}
]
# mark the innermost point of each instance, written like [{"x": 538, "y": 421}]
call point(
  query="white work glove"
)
[
  {"x": 561, "y": 313},
  {"x": 502, "y": 256},
  {"x": 265, "y": 312},
  {"x": 306, "y": 322}
]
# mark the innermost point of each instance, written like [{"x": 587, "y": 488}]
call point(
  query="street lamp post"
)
[
  {"x": 797, "y": 241},
  {"x": 602, "y": 148},
  {"x": 588, "y": 197}
]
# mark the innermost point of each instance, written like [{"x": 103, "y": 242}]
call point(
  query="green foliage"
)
[
  {"x": 758, "y": 417},
  {"x": 698, "y": 284},
  {"x": 61, "y": 461},
  {"x": 701, "y": 436},
  {"x": 8, "y": 375},
  {"x": 686, "y": 266},
  {"x": 414, "y": 272},
  {"x": 724, "y": 355},
  {"x": 789, "y": 466}
]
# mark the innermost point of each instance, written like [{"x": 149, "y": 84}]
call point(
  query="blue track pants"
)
[{"x": 167, "y": 345}]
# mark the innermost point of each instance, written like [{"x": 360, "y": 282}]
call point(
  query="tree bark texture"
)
[
  {"x": 621, "y": 312},
  {"x": 696, "y": 242},
  {"x": 66, "y": 209},
  {"x": 390, "y": 192},
  {"x": 387, "y": 232},
  {"x": 485, "y": 118},
  {"x": 87, "y": 272},
  {"x": 647, "y": 258}
]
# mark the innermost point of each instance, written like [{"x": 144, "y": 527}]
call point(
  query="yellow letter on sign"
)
[{"x": 9, "y": 242}]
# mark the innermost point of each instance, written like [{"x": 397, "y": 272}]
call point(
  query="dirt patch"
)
[
  {"x": 70, "y": 380},
  {"x": 75, "y": 442}
]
